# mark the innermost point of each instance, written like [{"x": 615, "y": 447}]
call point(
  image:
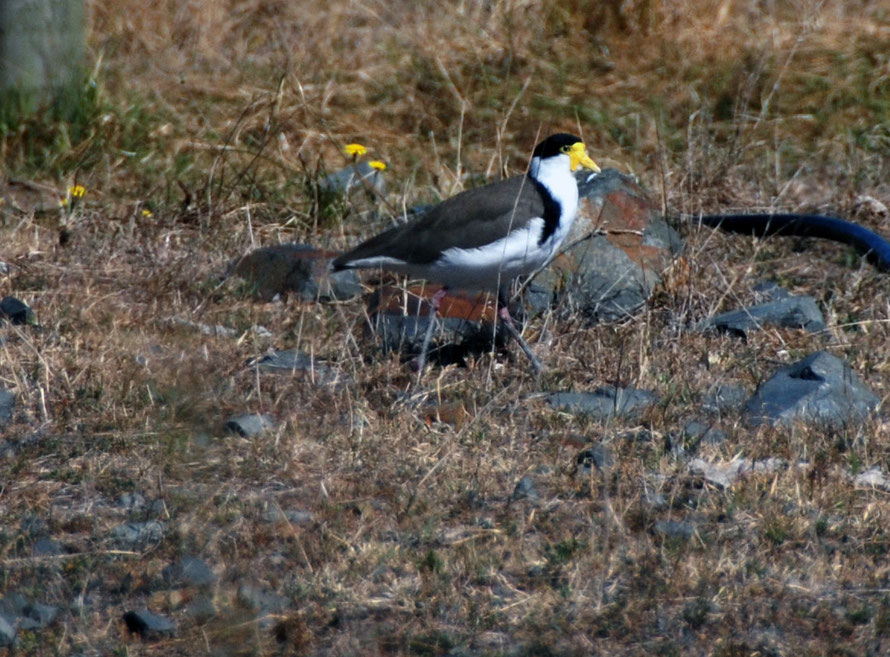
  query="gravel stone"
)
[
  {"x": 148, "y": 625},
  {"x": 261, "y": 599},
  {"x": 131, "y": 501},
  {"x": 290, "y": 361},
  {"x": 819, "y": 388},
  {"x": 703, "y": 434},
  {"x": 7, "y": 405},
  {"x": 790, "y": 312},
  {"x": 7, "y": 631},
  {"x": 133, "y": 533},
  {"x": 189, "y": 571},
  {"x": 598, "y": 456},
  {"x": 525, "y": 489},
  {"x": 250, "y": 425},
  {"x": 16, "y": 311},
  {"x": 674, "y": 529},
  {"x": 603, "y": 402},
  {"x": 46, "y": 547},
  {"x": 722, "y": 398},
  {"x": 201, "y": 609},
  {"x": 26, "y": 615}
]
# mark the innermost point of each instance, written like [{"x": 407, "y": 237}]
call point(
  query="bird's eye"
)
[{"x": 566, "y": 149}]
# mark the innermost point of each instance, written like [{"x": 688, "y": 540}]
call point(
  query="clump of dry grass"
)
[{"x": 220, "y": 117}]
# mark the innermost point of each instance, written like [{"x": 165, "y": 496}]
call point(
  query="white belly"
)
[{"x": 495, "y": 264}]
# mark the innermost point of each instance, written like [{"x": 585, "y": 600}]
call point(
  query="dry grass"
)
[{"x": 219, "y": 118}]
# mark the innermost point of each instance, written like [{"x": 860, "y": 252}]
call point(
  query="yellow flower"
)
[
  {"x": 146, "y": 213},
  {"x": 63, "y": 202},
  {"x": 380, "y": 165},
  {"x": 77, "y": 191},
  {"x": 355, "y": 150}
]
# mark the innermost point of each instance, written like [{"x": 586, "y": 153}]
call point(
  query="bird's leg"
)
[
  {"x": 434, "y": 302},
  {"x": 504, "y": 315}
]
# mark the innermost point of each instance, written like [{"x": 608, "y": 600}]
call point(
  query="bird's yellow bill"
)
[{"x": 578, "y": 156}]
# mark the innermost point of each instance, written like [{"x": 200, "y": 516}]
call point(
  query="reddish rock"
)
[
  {"x": 457, "y": 304},
  {"x": 614, "y": 256},
  {"x": 464, "y": 324}
]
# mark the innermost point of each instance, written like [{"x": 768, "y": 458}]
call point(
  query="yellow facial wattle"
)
[{"x": 578, "y": 157}]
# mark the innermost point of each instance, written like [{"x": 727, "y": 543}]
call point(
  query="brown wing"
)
[{"x": 471, "y": 219}]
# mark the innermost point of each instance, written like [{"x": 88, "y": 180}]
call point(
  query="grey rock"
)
[
  {"x": 288, "y": 360},
  {"x": 16, "y": 311},
  {"x": 250, "y": 425},
  {"x": 789, "y": 312},
  {"x": 769, "y": 291},
  {"x": 525, "y": 489},
  {"x": 260, "y": 599},
  {"x": 202, "y": 609},
  {"x": 133, "y": 533},
  {"x": 724, "y": 474},
  {"x": 610, "y": 291},
  {"x": 356, "y": 175},
  {"x": 34, "y": 525},
  {"x": 190, "y": 571},
  {"x": 703, "y": 434},
  {"x": 148, "y": 625},
  {"x": 655, "y": 500},
  {"x": 297, "y": 269},
  {"x": 598, "y": 456},
  {"x": 7, "y": 631},
  {"x": 604, "y": 403},
  {"x": 868, "y": 207},
  {"x": 7, "y": 404},
  {"x": 492, "y": 642},
  {"x": 675, "y": 529},
  {"x": 157, "y": 507},
  {"x": 205, "y": 329},
  {"x": 724, "y": 398},
  {"x": 26, "y": 615},
  {"x": 12, "y": 603},
  {"x": 37, "y": 616},
  {"x": 819, "y": 388},
  {"x": 291, "y": 361},
  {"x": 211, "y": 329},
  {"x": 46, "y": 547},
  {"x": 131, "y": 501},
  {"x": 872, "y": 478},
  {"x": 275, "y": 514}
]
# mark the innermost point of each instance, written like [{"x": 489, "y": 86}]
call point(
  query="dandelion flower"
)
[
  {"x": 355, "y": 150},
  {"x": 77, "y": 191},
  {"x": 380, "y": 165},
  {"x": 146, "y": 213}
]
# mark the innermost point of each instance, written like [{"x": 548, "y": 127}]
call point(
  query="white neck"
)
[
  {"x": 552, "y": 172},
  {"x": 556, "y": 175}
]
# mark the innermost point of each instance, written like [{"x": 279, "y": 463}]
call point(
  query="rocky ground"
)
[{"x": 210, "y": 445}]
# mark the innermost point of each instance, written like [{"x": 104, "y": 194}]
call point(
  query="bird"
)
[{"x": 486, "y": 237}]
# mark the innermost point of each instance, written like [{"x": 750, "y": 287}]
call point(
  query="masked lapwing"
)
[{"x": 484, "y": 238}]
